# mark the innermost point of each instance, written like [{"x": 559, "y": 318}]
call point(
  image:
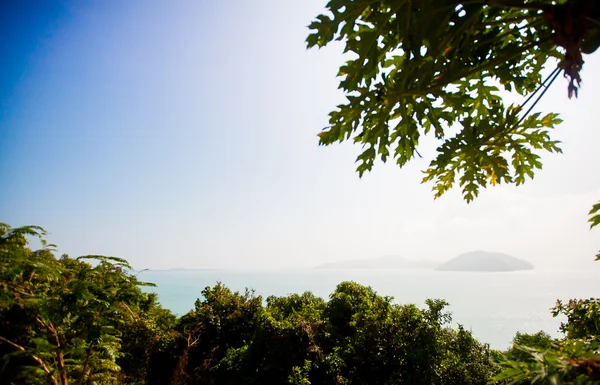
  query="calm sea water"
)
[{"x": 494, "y": 306}]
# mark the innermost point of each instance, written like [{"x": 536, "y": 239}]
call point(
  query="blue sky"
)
[{"x": 184, "y": 134}]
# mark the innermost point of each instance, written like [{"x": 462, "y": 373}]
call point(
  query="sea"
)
[{"x": 494, "y": 306}]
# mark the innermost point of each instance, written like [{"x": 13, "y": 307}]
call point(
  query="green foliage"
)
[
  {"x": 595, "y": 215},
  {"x": 299, "y": 375},
  {"x": 583, "y": 318},
  {"x": 437, "y": 67},
  {"x": 220, "y": 324},
  {"x": 356, "y": 337},
  {"x": 575, "y": 359},
  {"x": 468, "y": 361},
  {"x": 595, "y": 220},
  {"x": 64, "y": 319},
  {"x": 540, "y": 340},
  {"x": 569, "y": 362}
]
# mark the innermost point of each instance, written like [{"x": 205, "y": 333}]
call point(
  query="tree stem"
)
[{"x": 35, "y": 358}]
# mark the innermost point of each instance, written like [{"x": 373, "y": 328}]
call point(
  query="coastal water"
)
[{"x": 494, "y": 306}]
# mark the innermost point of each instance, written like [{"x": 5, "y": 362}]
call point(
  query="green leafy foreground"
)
[
  {"x": 88, "y": 321},
  {"x": 439, "y": 67}
]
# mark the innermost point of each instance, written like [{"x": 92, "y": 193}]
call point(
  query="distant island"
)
[
  {"x": 485, "y": 261},
  {"x": 388, "y": 262}
]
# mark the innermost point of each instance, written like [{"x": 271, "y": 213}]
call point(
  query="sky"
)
[{"x": 183, "y": 134}]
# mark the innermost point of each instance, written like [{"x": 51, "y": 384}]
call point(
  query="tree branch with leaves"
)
[{"x": 437, "y": 67}]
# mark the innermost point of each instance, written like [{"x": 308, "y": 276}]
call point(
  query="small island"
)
[
  {"x": 485, "y": 261},
  {"x": 388, "y": 262}
]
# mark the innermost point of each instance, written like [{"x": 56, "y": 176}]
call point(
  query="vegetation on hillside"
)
[{"x": 87, "y": 321}]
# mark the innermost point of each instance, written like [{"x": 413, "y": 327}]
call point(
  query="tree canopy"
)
[
  {"x": 66, "y": 320},
  {"x": 86, "y": 321},
  {"x": 437, "y": 67}
]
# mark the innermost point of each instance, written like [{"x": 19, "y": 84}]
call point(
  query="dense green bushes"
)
[
  {"x": 71, "y": 321},
  {"x": 64, "y": 320},
  {"x": 357, "y": 337}
]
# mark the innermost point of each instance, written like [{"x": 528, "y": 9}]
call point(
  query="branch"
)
[
  {"x": 16, "y": 346},
  {"x": 35, "y": 358},
  {"x": 44, "y": 325},
  {"x": 15, "y": 289},
  {"x": 59, "y": 356},
  {"x": 191, "y": 343},
  {"x": 516, "y": 4},
  {"x": 441, "y": 83},
  {"x": 517, "y": 19},
  {"x": 513, "y": 4},
  {"x": 85, "y": 364},
  {"x": 128, "y": 309}
]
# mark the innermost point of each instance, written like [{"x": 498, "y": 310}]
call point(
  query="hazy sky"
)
[{"x": 183, "y": 134}]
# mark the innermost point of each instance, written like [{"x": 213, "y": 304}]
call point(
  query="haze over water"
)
[{"x": 493, "y": 305}]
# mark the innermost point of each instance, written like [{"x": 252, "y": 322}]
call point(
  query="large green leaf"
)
[{"x": 425, "y": 67}]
